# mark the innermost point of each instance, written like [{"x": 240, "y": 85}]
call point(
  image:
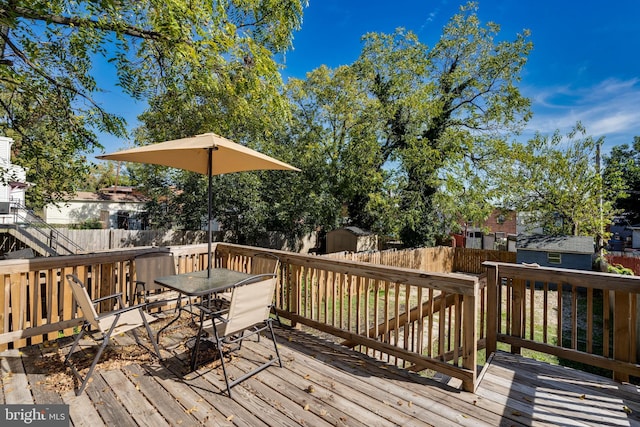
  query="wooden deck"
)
[{"x": 321, "y": 384}]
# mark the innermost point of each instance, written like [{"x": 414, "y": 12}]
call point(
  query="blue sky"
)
[{"x": 585, "y": 64}]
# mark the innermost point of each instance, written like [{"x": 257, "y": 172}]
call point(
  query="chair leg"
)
[
  {"x": 275, "y": 344},
  {"x": 75, "y": 344},
  {"x": 150, "y": 334},
  {"x": 105, "y": 341},
  {"x": 196, "y": 344},
  {"x": 241, "y": 338},
  {"x": 219, "y": 345},
  {"x": 85, "y": 380}
]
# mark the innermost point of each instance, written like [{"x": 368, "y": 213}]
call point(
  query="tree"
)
[
  {"x": 556, "y": 180},
  {"x": 622, "y": 167},
  {"x": 333, "y": 131},
  {"x": 49, "y": 51},
  {"x": 441, "y": 108}
]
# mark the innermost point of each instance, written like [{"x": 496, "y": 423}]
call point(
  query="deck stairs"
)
[{"x": 28, "y": 233}]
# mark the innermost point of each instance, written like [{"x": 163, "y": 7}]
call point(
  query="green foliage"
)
[
  {"x": 622, "y": 170},
  {"x": 619, "y": 269},
  {"x": 89, "y": 224},
  {"x": 50, "y": 50},
  {"x": 332, "y": 132},
  {"x": 383, "y": 136},
  {"x": 556, "y": 180}
]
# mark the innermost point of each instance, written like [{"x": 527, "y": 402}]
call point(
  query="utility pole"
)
[{"x": 600, "y": 238}]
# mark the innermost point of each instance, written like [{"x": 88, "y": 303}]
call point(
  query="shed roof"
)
[
  {"x": 354, "y": 230},
  {"x": 565, "y": 244}
]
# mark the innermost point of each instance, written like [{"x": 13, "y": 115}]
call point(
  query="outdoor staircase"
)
[{"x": 29, "y": 232}]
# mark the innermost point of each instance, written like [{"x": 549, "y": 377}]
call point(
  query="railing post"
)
[
  {"x": 621, "y": 336},
  {"x": 517, "y": 313},
  {"x": 294, "y": 292},
  {"x": 106, "y": 286},
  {"x": 492, "y": 309},
  {"x": 470, "y": 336}
]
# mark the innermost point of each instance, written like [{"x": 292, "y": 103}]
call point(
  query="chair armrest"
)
[
  {"x": 211, "y": 312},
  {"x": 118, "y": 295},
  {"x": 256, "y": 278},
  {"x": 121, "y": 310}
]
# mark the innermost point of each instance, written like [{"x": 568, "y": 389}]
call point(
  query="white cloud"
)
[{"x": 610, "y": 108}]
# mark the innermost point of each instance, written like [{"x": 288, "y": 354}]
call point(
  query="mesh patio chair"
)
[
  {"x": 105, "y": 325},
  {"x": 247, "y": 315},
  {"x": 147, "y": 268},
  {"x": 264, "y": 264}
]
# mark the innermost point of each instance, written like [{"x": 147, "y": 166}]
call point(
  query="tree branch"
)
[
  {"x": 84, "y": 22},
  {"x": 47, "y": 77}
]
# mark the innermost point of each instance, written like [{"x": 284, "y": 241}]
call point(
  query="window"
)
[
  {"x": 554, "y": 258},
  {"x": 500, "y": 219}
]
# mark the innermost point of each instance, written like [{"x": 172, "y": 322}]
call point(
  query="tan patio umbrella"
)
[{"x": 208, "y": 154}]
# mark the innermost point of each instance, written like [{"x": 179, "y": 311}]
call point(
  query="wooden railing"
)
[
  {"x": 586, "y": 317},
  {"x": 412, "y": 318},
  {"x": 36, "y": 304}
]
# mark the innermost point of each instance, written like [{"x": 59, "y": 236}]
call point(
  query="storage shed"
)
[
  {"x": 574, "y": 252},
  {"x": 351, "y": 239}
]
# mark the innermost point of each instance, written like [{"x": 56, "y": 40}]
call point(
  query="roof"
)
[
  {"x": 355, "y": 230},
  {"x": 88, "y": 196},
  {"x": 565, "y": 244}
]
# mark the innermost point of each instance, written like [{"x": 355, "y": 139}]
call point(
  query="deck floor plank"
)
[
  {"x": 17, "y": 389},
  {"x": 363, "y": 400},
  {"x": 318, "y": 401},
  {"x": 160, "y": 398},
  {"x": 110, "y": 409},
  {"x": 444, "y": 404},
  {"x": 136, "y": 403},
  {"x": 37, "y": 378},
  {"x": 565, "y": 392},
  {"x": 303, "y": 414},
  {"x": 82, "y": 411},
  {"x": 209, "y": 386}
]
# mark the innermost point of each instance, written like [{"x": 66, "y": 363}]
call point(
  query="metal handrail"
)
[{"x": 52, "y": 236}]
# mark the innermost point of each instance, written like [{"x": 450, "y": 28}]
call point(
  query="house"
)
[
  {"x": 635, "y": 236},
  {"x": 116, "y": 207},
  {"x": 621, "y": 235},
  {"x": 13, "y": 185},
  {"x": 576, "y": 252},
  {"x": 351, "y": 239},
  {"x": 497, "y": 232}
]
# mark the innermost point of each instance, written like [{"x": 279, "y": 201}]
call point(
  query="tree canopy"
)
[
  {"x": 622, "y": 166},
  {"x": 556, "y": 179},
  {"x": 388, "y": 128},
  {"x": 49, "y": 52}
]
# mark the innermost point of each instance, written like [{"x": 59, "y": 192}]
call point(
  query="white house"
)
[
  {"x": 120, "y": 207},
  {"x": 13, "y": 184}
]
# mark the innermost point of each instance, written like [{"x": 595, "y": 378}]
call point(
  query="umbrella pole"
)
[{"x": 209, "y": 204}]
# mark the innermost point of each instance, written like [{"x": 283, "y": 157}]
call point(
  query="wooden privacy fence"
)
[
  {"x": 587, "y": 317},
  {"x": 436, "y": 260},
  {"x": 415, "y": 319},
  {"x": 441, "y": 259},
  {"x": 36, "y": 303}
]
